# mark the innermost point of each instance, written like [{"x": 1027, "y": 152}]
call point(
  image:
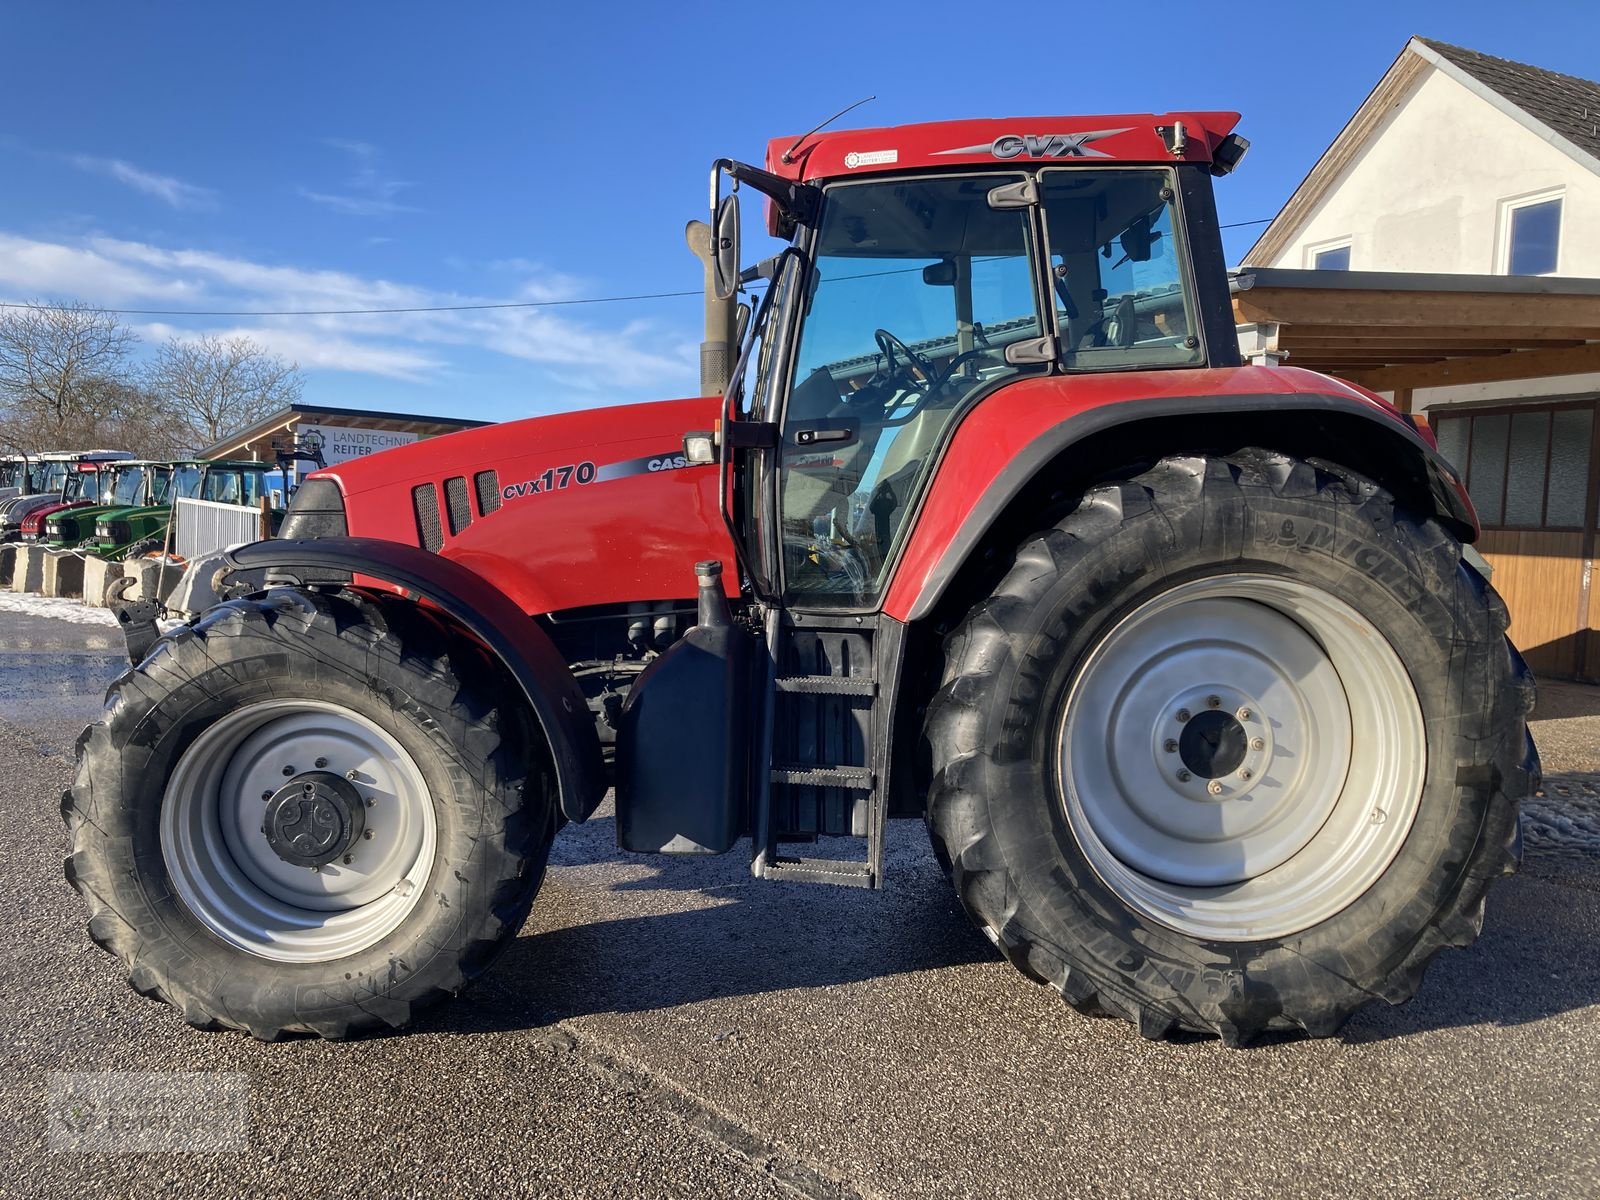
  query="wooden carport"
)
[{"x": 1532, "y": 463}]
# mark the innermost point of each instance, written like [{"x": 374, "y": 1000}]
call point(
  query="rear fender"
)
[
  {"x": 995, "y": 478},
  {"x": 524, "y": 649}
]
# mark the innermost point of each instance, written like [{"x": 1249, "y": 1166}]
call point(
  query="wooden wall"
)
[{"x": 1541, "y": 576}]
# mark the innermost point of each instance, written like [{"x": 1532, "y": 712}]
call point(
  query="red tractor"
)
[{"x": 1211, "y": 724}]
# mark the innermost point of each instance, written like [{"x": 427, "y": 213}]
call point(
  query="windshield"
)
[
  {"x": 53, "y": 476},
  {"x": 160, "y": 483},
  {"x": 1120, "y": 296},
  {"x": 10, "y": 474},
  {"x": 187, "y": 485},
  {"x": 918, "y": 288},
  {"x": 80, "y": 486},
  {"x": 128, "y": 490}
]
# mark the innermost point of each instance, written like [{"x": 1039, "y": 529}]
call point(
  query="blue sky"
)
[{"x": 355, "y": 155}]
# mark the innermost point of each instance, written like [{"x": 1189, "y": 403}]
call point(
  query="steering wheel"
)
[{"x": 888, "y": 344}]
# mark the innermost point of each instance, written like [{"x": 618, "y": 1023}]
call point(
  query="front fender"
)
[{"x": 481, "y": 608}]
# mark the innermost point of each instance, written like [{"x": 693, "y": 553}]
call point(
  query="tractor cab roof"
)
[
  {"x": 84, "y": 456},
  {"x": 1183, "y": 137}
]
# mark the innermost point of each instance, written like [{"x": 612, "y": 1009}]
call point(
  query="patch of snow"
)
[{"x": 75, "y": 611}]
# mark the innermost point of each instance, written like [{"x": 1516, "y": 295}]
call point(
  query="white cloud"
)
[
  {"x": 586, "y": 352},
  {"x": 368, "y": 192},
  {"x": 357, "y": 206},
  {"x": 166, "y": 188},
  {"x": 315, "y": 351}
]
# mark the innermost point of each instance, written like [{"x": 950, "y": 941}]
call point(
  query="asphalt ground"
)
[{"x": 674, "y": 1028}]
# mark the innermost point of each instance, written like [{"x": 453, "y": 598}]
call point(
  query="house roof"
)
[
  {"x": 355, "y": 418},
  {"x": 1568, "y": 105},
  {"x": 1393, "y": 331},
  {"x": 1560, "y": 109}
]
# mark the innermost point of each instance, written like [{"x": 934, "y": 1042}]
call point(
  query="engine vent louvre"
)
[
  {"x": 488, "y": 485},
  {"x": 425, "y": 503},
  {"x": 456, "y": 504}
]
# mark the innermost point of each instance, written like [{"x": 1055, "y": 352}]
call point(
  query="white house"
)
[{"x": 1462, "y": 163}]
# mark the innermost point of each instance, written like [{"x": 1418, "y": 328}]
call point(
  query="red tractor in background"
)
[{"x": 1211, "y": 725}]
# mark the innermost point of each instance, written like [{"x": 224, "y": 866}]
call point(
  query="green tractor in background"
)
[
  {"x": 144, "y": 526},
  {"x": 138, "y": 490}
]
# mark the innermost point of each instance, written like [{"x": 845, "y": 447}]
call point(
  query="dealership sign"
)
[{"x": 341, "y": 445}]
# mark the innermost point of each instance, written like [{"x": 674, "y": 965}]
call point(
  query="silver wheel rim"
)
[
  {"x": 226, "y": 871},
  {"x": 1300, "y": 775}
]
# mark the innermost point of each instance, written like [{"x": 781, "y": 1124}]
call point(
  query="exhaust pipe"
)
[{"x": 717, "y": 351}]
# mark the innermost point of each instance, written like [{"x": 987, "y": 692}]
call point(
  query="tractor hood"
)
[
  {"x": 564, "y": 511},
  {"x": 12, "y": 511}
]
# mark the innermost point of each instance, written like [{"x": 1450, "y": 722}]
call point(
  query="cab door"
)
[{"x": 923, "y": 294}]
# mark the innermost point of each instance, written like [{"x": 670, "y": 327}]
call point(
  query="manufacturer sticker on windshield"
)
[{"x": 871, "y": 158}]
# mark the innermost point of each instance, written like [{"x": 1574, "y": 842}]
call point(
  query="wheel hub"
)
[
  {"x": 1213, "y": 744},
  {"x": 313, "y": 819}
]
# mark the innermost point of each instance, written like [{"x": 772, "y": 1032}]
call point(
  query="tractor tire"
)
[
  {"x": 1237, "y": 746},
  {"x": 225, "y": 801},
  {"x": 142, "y": 547}
]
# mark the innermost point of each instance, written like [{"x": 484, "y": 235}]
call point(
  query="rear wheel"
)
[
  {"x": 309, "y": 813},
  {"x": 1236, "y": 746}
]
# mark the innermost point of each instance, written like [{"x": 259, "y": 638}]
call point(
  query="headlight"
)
[{"x": 101, "y": 529}]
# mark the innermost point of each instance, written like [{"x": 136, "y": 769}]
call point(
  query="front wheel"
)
[
  {"x": 309, "y": 813},
  {"x": 1236, "y": 746}
]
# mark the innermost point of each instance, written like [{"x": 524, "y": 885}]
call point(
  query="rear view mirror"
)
[
  {"x": 1137, "y": 240},
  {"x": 940, "y": 274},
  {"x": 725, "y": 246}
]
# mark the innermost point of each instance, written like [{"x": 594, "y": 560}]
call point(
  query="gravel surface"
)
[{"x": 674, "y": 1028}]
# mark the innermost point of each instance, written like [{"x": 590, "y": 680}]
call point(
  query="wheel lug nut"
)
[
  {"x": 1183, "y": 715},
  {"x": 316, "y": 870},
  {"x": 1244, "y": 772},
  {"x": 288, "y": 771},
  {"x": 1243, "y": 714},
  {"x": 1258, "y": 743},
  {"x": 1215, "y": 787},
  {"x": 350, "y": 775},
  {"x": 367, "y": 833},
  {"x": 320, "y": 763},
  {"x": 370, "y": 801},
  {"x": 1170, "y": 745},
  {"x": 348, "y": 859},
  {"x": 1213, "y": 701},
  {"x": 1183, "y": 777},
  {"x": 267, "y": 795}
]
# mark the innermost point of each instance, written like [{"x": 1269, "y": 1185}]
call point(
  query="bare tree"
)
[
  {"x": 61, "y": 373},
  {"x": 214, "y": 385}
]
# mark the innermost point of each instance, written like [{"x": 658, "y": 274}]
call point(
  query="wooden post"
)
[
  {"x": 1402, "y": 399},
  {"x": 266, "y": 518}
]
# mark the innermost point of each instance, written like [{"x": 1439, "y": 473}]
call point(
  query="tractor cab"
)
[
  {"x": 931, "y": 270},
  {"x": 13, "y": 474},
  {"x": 927, "y": 269}
]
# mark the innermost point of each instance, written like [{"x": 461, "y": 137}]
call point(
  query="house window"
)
[
  {"x": 1532, "y": 235},
  {"x": 1334, "y": 258},
  {"x": 1527, "y": 468}
]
